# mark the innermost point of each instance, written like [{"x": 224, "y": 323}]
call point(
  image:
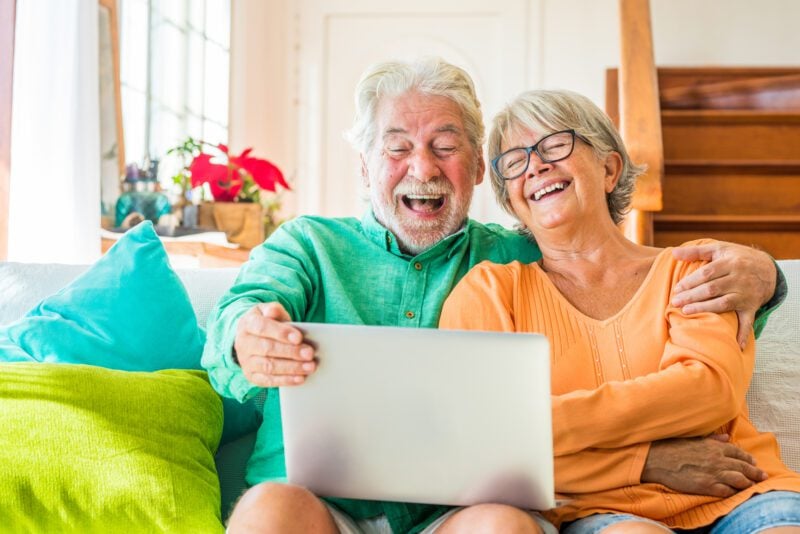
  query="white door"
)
[{"x": 337, "y": 40}]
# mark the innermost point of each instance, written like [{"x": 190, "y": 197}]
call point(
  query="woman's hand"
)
[{"x": 738, "y": 278}]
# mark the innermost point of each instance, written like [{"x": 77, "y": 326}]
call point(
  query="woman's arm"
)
[{"x": 700, "y": 385}]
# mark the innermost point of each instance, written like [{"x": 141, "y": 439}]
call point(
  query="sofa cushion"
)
[
  {"x": 129, "y": 311},
  {"x": 87, "y": 449},
  {"x": 774, "y": 395}
]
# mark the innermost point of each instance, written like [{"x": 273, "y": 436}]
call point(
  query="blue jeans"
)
[{"x": 759, "y": 512}]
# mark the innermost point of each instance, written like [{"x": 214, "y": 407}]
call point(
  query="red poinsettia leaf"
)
[
  {"x": 225, "y": 194},
  {"x": 265, "y": 174},
  {"x": 224, "y": 181},
  {"x": 246, "y": 152},
  {"x": 223, "y": 148},
  {"x": 203, "y": 171}
]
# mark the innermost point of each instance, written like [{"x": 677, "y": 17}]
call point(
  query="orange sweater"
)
[{"x": 647, "y": 373}]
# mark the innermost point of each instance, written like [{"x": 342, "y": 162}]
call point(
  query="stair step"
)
[
  {"x": 672, "y": 77},
  {"x": 722, "y": 166},
  {"x": 732, "y": 188},
  {"x": 781, "y": 245},
  {"x": 742, "y": 223},
  {"x": 767, "y": 93},
  {"x": 734, "y": 135},
  {"x": 730, "y": 116},
  {"x": 779, "y": 236}
]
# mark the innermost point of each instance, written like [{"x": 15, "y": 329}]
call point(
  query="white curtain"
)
[{"x": 54, "y": 213}]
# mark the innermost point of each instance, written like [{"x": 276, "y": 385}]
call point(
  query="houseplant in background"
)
[{"x": 246, "y": 199}]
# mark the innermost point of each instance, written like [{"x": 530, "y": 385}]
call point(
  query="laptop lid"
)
[{"x": 423, "y": 415}]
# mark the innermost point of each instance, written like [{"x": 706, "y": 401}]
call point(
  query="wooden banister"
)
[
  {"x": 7, "y": 20},
  {"x": 639, "y": 114}
]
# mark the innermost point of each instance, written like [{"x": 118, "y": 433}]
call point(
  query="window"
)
[{"x": 174, "y": 72}]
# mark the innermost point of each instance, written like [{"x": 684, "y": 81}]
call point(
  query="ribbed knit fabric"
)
[{"x": 646, "y": 373}]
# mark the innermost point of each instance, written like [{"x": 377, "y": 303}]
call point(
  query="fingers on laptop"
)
[
  {"x": 271, "y": 321},
  {"x": 274, "y": 372},
  {"x": 270, "y": 351}
]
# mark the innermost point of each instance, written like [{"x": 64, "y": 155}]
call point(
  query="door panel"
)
[{"x": 338, "y": 40}]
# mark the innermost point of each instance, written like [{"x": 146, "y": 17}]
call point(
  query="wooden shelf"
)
[{"x": 197, "y": 254}]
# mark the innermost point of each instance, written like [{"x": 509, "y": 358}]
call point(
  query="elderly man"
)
[{"x": 419, "y": 131}]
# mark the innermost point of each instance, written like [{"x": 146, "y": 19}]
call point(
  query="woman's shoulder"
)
[
  {"x": 491, "y": 278},
  {"x": 675, "y": 269},
  {"x": 491, "y": 269}
]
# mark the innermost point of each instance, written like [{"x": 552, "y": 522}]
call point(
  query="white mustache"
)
[{"x": 435, "y": 187}]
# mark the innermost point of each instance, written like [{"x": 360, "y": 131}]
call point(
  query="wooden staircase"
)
[{"x": 731, "y": 146}]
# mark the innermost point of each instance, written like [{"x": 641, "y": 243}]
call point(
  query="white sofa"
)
[{"x": 774, "y": 397}]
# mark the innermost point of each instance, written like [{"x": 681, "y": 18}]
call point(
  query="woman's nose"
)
[{"x": 537, "y": 167}]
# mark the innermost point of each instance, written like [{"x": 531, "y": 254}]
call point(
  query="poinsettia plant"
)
[
  {"x": 235, "y": 178},
  {"x": 230, "y": 178}
]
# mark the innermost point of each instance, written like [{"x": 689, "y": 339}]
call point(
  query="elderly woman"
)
[{"x": 628, "y": 368}]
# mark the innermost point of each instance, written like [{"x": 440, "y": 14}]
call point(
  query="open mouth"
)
[
  {"x": 424, "y": 204},
  {"x": 549, "y": 190}
]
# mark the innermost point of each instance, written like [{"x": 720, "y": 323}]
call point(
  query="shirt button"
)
[
  {"x": 418, "y": 266},
  {"x": 410, "y": 314}
]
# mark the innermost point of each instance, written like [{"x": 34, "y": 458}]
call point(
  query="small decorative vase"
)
[{"x": 150, "y": 204}]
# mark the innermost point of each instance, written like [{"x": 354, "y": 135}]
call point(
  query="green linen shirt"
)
[{"x": 349, "y": 272}]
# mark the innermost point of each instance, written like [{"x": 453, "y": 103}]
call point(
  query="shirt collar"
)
[{"x": 385, "y": 239}]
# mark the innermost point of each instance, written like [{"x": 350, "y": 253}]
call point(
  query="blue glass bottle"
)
[{"x": 140, "y": 195}]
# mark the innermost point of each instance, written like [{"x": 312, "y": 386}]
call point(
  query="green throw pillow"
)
[
  {"x": 92, "y": 450},
  {"x": 129, "y": 311}
]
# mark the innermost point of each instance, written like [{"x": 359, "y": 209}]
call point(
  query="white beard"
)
[{"x": 415, "y": 235}]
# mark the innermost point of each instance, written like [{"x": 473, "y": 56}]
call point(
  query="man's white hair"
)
[{"x": 430, "y": 76}]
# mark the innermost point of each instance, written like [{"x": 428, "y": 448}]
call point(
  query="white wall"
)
[
  {"x": 576, "y": 49},
  {"x": 570, "y": 43}
]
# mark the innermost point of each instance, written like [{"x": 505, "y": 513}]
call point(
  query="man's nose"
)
[{"x": 423, "y": 166}]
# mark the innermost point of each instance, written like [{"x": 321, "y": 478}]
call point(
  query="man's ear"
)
[
  {"x": 481, "y": 170},
  {"x": 613, "y": 170},
  {"x": 364, "y": 171}
]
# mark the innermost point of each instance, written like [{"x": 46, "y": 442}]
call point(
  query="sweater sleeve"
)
[
  {"x": 280, "y": 270},
  {"x": 594, "y": 470},
  {"x": 700, "y": 385}
]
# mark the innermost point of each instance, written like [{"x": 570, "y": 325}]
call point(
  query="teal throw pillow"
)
[{"x": 129, "y": 311}]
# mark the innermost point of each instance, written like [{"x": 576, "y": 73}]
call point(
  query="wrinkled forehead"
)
[{"x": 415, "y": 108}]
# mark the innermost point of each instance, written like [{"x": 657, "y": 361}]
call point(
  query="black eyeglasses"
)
[{"x": 550, "y": 148}]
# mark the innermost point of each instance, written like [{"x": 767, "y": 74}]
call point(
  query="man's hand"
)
[
  {"x": 701, "y": 466},
  {"x": 270, "y": 352},
  {"x": 738, "y": 278}
]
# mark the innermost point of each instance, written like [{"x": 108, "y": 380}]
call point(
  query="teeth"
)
[
  {"x": 543, "y": 191},
  {"x": 423, "y": 197}
]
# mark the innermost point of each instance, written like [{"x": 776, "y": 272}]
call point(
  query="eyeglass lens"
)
[{"x": 551, "y": 148}]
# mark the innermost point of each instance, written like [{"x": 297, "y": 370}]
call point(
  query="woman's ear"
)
[
  {"x": 364, "y": 171},
  {"x": 613, "y": 170}
]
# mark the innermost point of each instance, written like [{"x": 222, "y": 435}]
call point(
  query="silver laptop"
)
[{"x": 423, "y": 415}]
